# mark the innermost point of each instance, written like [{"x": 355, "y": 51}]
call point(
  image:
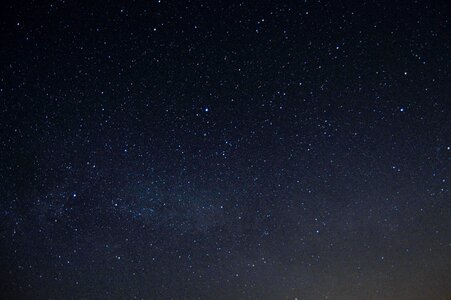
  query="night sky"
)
[{"x": 225, "y": 150}]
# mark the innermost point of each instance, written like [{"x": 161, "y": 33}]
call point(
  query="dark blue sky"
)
[{"x": 225, "y": 150}]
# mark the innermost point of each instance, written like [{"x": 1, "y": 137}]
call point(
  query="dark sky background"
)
[{"x": 225, "y": 150}]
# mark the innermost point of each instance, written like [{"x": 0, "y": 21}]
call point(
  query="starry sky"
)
[{"x": 225, "y": 150}]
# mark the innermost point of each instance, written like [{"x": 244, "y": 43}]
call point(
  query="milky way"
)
[{"x": 225, "y": 150}]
